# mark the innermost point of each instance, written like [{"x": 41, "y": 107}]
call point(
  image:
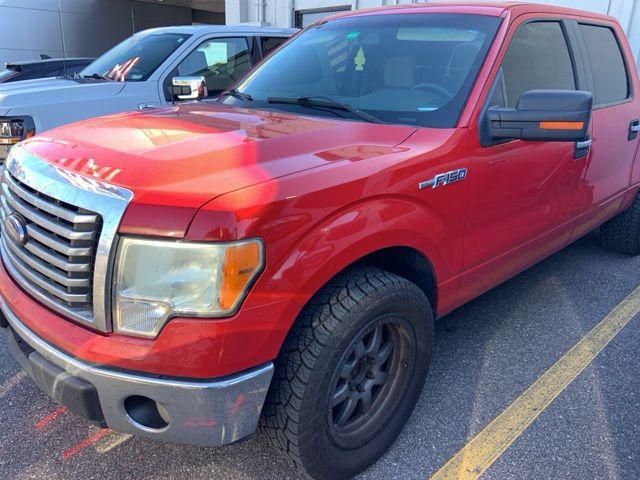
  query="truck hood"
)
[
  {"x": 176, "y": 159},
  {"x": 54, "y": 91}
]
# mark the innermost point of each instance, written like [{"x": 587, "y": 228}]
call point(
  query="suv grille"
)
[{"x": 56, "y": 260}]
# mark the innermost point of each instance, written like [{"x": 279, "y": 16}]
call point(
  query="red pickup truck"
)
[{"x": 279, "y": 256}]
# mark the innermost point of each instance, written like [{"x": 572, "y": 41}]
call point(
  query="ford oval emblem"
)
[{"x": 16, "y": 227}]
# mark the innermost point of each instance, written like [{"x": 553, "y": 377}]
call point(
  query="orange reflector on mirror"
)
[{"x": 561, "y": 125}]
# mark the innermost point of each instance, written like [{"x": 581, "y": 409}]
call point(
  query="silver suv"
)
[{"x": 137, "y": 74}]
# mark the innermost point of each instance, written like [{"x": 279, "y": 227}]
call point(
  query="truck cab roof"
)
[
  {"x": 212, "y": 29},
  {"x": 496, "y": 9}
]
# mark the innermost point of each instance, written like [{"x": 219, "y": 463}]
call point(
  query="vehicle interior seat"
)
[{"x": 462, "y": 58}]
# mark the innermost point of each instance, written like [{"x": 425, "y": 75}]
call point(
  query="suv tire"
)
[
  {"x": 622, "y": 232},
  {"x": 350, "y": 373}
]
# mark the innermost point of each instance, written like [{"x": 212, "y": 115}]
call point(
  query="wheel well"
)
[{"x": 408, "y": 263}]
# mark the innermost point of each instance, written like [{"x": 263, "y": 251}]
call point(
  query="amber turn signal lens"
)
[
  {"x": 241, "y": 263},
  {"x": 561, "y": 125}
]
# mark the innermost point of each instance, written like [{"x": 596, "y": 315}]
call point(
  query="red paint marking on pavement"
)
[
  {"x": 85, "y": 443},
  {"x": 47, "y": 419}
]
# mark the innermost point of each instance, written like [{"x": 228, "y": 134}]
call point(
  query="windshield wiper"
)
[
  {"x": 234, "y": 92},
  {"x": 324, "y": 102},
  {"x": 97, "y": 76}
]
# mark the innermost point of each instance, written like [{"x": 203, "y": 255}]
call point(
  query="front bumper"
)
[{"x": 194, "y": 412}]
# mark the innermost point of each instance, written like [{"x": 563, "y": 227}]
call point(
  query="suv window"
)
[
  {"x": 611, "y": 83},
  {"x": 221, "y": 61},
  {"x": 271, "y": 43},
  {"x": 538, "y": 58}
]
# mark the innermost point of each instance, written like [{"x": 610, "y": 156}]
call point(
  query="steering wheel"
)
[{"x": 435, "y": 87}]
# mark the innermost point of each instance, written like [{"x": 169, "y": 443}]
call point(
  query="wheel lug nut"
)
[
  {"x": 360, "y": 388},
  {"x": 370, "y": 375}
]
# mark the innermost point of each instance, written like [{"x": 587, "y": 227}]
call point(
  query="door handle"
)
[{"x": 634, "y": 129}]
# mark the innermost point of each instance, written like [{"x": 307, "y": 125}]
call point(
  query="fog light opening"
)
[{"x": 146, "y": 412}]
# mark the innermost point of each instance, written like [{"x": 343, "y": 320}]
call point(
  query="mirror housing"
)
[
  {"x": 543, "y": 115},
  {"x": 188, "y": 88}
]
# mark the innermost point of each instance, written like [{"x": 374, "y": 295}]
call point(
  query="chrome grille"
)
[
  {"x": 56, "y": 263},
  {"x": 70, "y": 221}
]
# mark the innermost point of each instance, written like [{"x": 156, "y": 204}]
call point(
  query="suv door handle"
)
[{"x": 634, "y": 129}]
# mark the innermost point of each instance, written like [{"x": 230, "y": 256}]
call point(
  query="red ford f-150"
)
[{"x": 279, "y": 256}]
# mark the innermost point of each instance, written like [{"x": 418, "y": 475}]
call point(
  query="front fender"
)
[
  {"x": 354, "y": 232},
  {"x": 306, "y": 247}
]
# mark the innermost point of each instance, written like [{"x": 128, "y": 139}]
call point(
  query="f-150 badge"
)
[{"x": 444, "y": 179}]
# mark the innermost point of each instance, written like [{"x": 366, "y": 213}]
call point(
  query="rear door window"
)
[
  {"x": 538, "y": 58},
  {"x": 611, "y": 83},
  {"x": 269, "y": 44}
]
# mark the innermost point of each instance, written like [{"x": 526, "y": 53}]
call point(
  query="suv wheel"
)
[{"x": 350, "y": 373}]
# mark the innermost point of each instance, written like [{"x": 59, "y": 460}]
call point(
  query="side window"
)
[
  {"x": 270, "y": 43},
  {"x": 611, "y": 83},
  {"x": 73, "y": 69},
  {"x": 51, "y": 72},
  {"x": 222, "y": 62},
  {"x": 538, "y": 58}
]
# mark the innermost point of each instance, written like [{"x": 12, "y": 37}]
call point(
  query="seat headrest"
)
[
  {"x": 196, "y": 63},
  {"x": 399, "y": 72},
  {"x": 463, "y": 56}
]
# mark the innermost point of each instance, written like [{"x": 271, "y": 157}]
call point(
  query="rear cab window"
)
[{"x": 610, "y": 77}]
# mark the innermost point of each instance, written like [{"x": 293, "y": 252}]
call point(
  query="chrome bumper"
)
[{"x": 204, "y": 413}]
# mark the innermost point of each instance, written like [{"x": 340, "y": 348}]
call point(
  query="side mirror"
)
[
  {"x": 548, "y": 115},
  {"x": 189, "y": 88}
]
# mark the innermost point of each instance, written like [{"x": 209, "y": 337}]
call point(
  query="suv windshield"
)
[
  {"x": 136, "y": 58},
  {"x": 412, "y": 69}
]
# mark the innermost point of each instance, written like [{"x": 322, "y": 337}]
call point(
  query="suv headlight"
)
[
  {"x": 12, "y": 131},
  {"x": 158, "y": 279}
]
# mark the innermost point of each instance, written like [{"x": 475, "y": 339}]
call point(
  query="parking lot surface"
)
[{"x": 488, "y": 353}]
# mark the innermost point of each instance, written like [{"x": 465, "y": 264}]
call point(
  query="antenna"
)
[{"x": 64, "y": 47}]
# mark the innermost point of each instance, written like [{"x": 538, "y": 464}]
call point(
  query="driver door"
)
[{"x": 524, "y": 195}]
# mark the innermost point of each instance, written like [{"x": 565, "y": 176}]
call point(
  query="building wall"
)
[
  {"x": 281, "y": 13},
  {"x": 29, "y": 28}
]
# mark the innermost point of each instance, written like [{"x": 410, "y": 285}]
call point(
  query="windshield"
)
[
  {"x": 412, "y": 69},
  {"x": 136, "y": 58}
]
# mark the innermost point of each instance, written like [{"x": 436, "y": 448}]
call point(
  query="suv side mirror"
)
[
  {"x": 548, "y": 115},
  {"x": 189, "y": 88}
]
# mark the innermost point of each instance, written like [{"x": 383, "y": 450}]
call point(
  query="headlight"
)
[
  {"x": 157, "y": 279},
  {"x": 12, "y": 131}
]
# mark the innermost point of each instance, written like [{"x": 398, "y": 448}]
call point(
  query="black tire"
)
[
  {"x": 622, "y": 232},
  {"x": 332, "y": 342}
]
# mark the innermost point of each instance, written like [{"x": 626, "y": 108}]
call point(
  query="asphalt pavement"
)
[{"x": 488, "y": 353}]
